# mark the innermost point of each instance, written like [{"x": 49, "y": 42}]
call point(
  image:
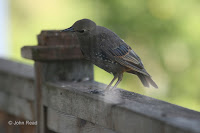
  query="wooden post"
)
[{"x": 57, "y": 58}]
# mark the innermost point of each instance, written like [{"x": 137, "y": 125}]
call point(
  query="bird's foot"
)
[{"x": 97, "y": 92}]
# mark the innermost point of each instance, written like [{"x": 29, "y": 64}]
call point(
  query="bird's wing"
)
[
  {"x": 119, "y": 51},
  {"x": 124, "y": 55}
]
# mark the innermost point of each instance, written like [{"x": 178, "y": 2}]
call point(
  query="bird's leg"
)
[
  {"x": 120, "y": 76},
  {"x": 107, "y": 88}
]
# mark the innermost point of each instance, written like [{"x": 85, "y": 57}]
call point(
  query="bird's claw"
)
[{"x": 97, "y": 92}]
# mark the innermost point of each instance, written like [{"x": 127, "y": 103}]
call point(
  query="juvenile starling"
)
[{"x": 106, "y": 50}]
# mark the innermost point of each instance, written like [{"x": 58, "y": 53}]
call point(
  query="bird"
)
[{"x": 108, "y": 51}]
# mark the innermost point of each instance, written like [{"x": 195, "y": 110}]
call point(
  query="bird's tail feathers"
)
[
  {"x": 143, "y": 80},
  {"x": 150, "y": 80},
  {"x": 146, "y": 80}
]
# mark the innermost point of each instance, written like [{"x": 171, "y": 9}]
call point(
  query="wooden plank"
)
[
  {"x": 120, "y": 110},
  {"x": 63, "y": 123},
  {"x": 16, "y": 106},
  {"x": 15, "y": 68},
  {"x": 56, "y": 37},
  {"x": 71, "y": 70},
  {"x": 6, "y": 128},
  {"x": 17, "y": 85},
  {"x": 38, "y": 100},
  {"x": 17, "y": 79},
  {"x": 51, "y": 53}
]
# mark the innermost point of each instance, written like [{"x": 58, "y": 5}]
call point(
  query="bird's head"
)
[{"x": 81, "y": 26}]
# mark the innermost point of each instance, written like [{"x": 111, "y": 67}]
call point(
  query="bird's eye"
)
[{"x": 81, "y": 31}]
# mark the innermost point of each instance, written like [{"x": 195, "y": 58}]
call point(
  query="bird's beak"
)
[{"x": 68, "y": 29}]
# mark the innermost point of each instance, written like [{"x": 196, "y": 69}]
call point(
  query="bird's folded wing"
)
[{"x": 124, "y": 55}]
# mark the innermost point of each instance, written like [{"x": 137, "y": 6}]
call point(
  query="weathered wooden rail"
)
[
  {"x": 58, "y": 96},
  {"x": 16, "y": 96}
]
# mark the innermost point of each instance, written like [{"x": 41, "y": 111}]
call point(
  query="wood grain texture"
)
[
  {"x": 16, "y": 68},
  {"x": 16, "y": 106},
  {"x": 17, "y": 89},
  {"x": 51, "y": 53},
  {"x": 119, "y": 110},
  {"x": 63, "y": 123},
  {"x": 6, "y": 128},
  {"x": 56, "y": 37},
  {"x": 17, "y": 85},
  {"x": 72, "y": 70}
]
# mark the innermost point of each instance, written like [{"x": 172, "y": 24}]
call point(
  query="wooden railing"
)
[
  {"x": 59, "y": 96},
  {"x": 16, "y": 97}
]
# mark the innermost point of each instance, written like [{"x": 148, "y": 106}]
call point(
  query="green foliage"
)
[{"x": 165, "y": 34}]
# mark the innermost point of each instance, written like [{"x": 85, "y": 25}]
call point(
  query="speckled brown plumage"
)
[{"x": 106, "y": 50}]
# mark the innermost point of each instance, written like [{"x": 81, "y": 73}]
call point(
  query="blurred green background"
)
[{"x": 165, "y": 34}]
